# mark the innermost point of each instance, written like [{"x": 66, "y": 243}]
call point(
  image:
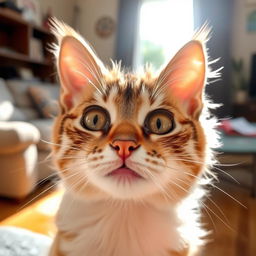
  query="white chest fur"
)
[{"x": 118, "y": 229}]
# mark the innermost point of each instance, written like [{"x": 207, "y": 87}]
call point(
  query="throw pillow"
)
[{"x": 46, "y": 105}]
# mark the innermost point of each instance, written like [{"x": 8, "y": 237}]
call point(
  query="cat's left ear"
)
[
  {"x": 79, "y": 69},
  {"x": 184, "y": 77}
]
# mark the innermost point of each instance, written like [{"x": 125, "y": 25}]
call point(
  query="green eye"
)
[
  {"x": 95, "y": 118},
  {"x": 159, "y": 122}
]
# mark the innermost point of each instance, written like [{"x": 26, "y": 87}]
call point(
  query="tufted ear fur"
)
[
  {"x": 79, "y": 69},
  {"x": 184, "y": 77}
]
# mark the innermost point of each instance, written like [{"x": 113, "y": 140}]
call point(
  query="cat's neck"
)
[{"x": 120, "y": 224}]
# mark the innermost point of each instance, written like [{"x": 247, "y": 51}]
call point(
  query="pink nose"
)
[{"x": 124, "y": 148}]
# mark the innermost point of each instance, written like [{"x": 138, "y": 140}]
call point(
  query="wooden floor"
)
[
  {"x": 233, "y": 226},
  {"x": 9, "y": 207},
  {"x": 37, "y": 212}
]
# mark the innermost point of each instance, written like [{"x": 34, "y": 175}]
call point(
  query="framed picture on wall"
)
[{"x": 105, "y": 26}]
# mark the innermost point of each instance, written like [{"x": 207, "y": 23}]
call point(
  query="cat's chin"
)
[
  {"x": 124, "y": 183},
  {"x": 124, "y": 174}
]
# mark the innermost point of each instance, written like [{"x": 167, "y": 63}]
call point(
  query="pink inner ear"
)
[
  {"x": 185, "y": 89},
  {"x": 76, "y": 80},
  {"x": 189, "y": 89},
  {"x": 191, "y": 82},
  {"x": 78, "y": 70},
  {"x": 186, "y": 75},
  {"x": 75, "y": 73},
  {"x": 67, "y": 99}
]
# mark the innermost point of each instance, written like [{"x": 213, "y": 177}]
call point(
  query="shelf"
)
[
  {"x": 23, "y": 58},
  {"x": 16, "y": 44},
  {"x": 10, "y": 17},
  {"x": 41, "y": 30}
]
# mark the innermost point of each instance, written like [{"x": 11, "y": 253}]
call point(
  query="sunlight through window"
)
[{"x": 164, "y": 26}]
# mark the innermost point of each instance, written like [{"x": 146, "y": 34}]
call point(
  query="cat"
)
[{"x": 132, "y": 151}]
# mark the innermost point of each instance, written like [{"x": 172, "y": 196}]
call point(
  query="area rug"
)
[{"x": 16, "y": 241}]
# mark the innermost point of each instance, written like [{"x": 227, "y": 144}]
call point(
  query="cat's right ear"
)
[{"x": 79, "y": 69}]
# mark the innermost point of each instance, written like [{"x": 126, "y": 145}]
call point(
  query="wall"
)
[
  {"x": 62, "y": 9},
  {"x": 90, "y": 12},
  {"x": 219, "y": 14},
  {"x": 243, "y": 42}
]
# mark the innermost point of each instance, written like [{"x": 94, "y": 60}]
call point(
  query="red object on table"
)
[{"x": 226, "y": 126}]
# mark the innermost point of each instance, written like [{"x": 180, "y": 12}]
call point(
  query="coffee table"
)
[{"x": 241, "y": 145}]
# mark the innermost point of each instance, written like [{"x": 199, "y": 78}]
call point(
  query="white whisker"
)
[
  {"x": 83, "y": 75},
  {"x": 96, "y": 76}
]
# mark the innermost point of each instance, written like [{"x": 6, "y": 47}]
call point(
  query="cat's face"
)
[{"x": 125, "y": 136}]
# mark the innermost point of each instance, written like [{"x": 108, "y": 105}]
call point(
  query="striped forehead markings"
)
[{"x": 128, "y": 98}]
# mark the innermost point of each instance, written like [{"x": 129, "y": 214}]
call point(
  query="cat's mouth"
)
[{"x": 124, "y": 172}]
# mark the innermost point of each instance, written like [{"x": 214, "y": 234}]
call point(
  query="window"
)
[{"x": 164, "y": 26}]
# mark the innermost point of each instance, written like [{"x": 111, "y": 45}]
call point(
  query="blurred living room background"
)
[{"x": 136, "y": 32}]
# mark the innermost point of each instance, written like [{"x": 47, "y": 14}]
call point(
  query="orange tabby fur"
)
[{"x": 174, "y": 163}]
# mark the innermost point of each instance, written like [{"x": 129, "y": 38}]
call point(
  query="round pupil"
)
[
  {"x": 95, "y": 119},
  {"x": 158, "y": 123}
]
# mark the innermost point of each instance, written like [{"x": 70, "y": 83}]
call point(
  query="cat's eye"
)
[
  {"x": 159, "y": 122},
  {"x": 95, "y": 118}
]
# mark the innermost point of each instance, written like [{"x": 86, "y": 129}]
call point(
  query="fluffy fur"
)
[{"x": 158, "y": 214}]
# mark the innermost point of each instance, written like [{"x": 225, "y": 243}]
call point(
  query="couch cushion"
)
[
  {"x": 45, "y": 99},
  {"x": 19, "y": 90},
  {"x": 45, "y": 128},
  {"x": 6, "y": 102},
  {"x": 6, "y": 110},
  {"x": 10, "y": 113},
  {"x": 24, "y": 114},
  {"x": 5, "y": 94}
]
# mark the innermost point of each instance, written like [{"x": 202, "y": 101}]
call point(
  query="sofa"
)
[{"x": 27, "y": 109}]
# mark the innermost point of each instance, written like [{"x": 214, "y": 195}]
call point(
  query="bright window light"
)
[{"x": 164, "y": 27}]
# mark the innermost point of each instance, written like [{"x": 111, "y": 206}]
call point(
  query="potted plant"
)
[{"x": 239, "y": 81}]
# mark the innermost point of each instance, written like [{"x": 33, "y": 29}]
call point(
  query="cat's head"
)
[{"x": 126, "y": 136}]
